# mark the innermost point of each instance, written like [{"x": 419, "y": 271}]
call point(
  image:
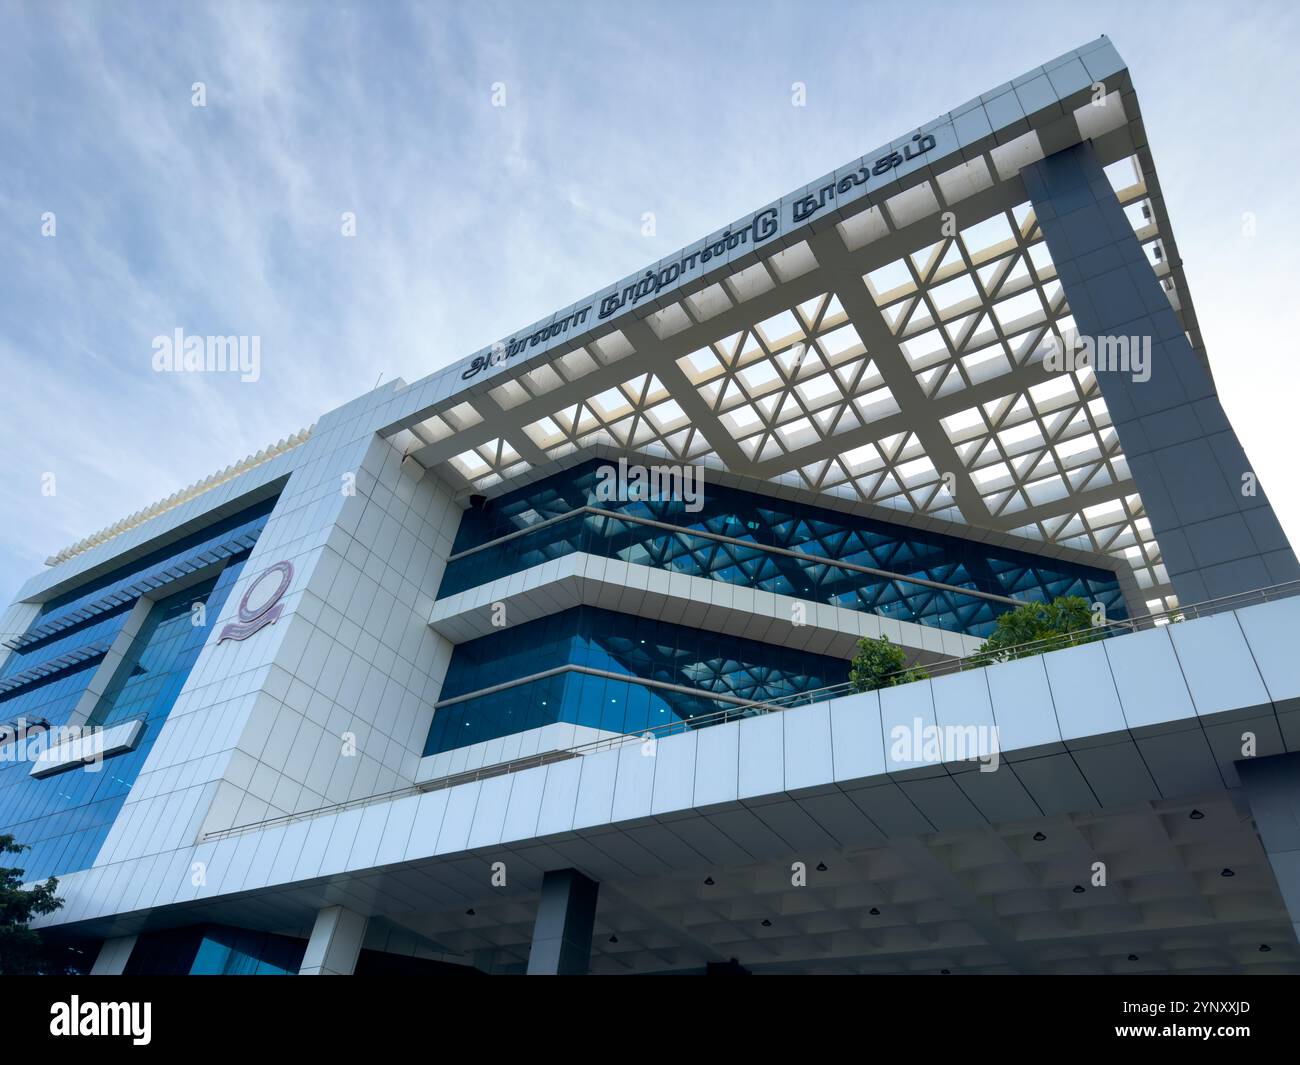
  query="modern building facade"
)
[{"x": 540, "y": 664}]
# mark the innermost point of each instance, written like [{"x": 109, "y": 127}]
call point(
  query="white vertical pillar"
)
[
  {"x": 335, "y": 943},
  {"x": 113, "y": 956}
]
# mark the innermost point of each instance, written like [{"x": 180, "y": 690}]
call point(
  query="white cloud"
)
[{"x": 474, "y": 220}]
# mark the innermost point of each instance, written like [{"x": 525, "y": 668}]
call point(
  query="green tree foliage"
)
[
  {"x": 880, "y": 664},
  {"x": 21, "y": 948},
  {"x": 1034, "y": 628}
]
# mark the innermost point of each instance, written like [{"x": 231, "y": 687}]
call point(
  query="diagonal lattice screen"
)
[{"x": 915, "y": 384}]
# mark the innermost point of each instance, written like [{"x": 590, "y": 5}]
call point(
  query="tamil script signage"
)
[{"x": 759, "y": 229}]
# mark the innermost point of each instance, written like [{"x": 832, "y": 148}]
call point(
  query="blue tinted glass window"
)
[
  {"x": 619, "y": 644},
  {"x": 215, "y": 950},
  {"x": 65, "y": 818},
  {"x": 756, "y": 522}
]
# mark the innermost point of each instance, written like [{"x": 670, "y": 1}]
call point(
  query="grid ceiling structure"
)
[
  {"x": 894, "y": 360},
  {"x": 1017, "y": 898}
]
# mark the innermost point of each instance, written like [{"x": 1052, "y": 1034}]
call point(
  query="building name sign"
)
[{"x": 759, "y": 229}]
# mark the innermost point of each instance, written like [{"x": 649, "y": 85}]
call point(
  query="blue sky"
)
[{"x": 473, "y": 220}]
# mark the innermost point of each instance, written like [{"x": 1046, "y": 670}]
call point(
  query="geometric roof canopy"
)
[{"x": 881, "y": 344}]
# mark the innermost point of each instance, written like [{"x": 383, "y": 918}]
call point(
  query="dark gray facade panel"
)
[
  {"x": 1188, "y": 464},
  {"x": 1273, "y": 790},
  {"x": 566, "y": 915}
]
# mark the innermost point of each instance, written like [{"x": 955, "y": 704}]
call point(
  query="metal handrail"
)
[
  {"x": 978, "y": 660},
  {"x": 606, "y": 674},
  {"x": 735, "y": 541},
  {"x": 942, "y": 667}
]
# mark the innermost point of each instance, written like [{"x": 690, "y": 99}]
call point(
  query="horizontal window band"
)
[
  {"x": 151, "y": 580},
  {"x": 52, "y": 667},
  {"x": 785, "y": 552},
  {"x": 518, "y": 533},
  {"x": 644, "y": 682}
]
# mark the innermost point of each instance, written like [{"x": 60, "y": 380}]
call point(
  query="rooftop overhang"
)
[{"x": 875, "y": 338}]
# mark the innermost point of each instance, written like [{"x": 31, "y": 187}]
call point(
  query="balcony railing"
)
[{"x": 939, "y": 668}]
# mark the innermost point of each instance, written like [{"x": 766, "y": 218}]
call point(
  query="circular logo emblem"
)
[
  {"x": 256, "y": 602},
  {"x": 260, "y": 605}
]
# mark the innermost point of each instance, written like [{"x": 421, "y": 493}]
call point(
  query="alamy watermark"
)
[
  {"x": 1103, "y": 354},
  {"x": 38, "y": 743},
  {"x": 178, "y": 353},
  {"x": 120, "y": 1019},
  {"x": 626, "y": 482},
  {"x": 919, "y": 742}
]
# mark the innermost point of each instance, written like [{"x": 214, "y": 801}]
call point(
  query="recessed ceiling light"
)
[
  {"x": 1196, "y": 815},
  {"x": 767, "y": 923},
  {"x": 1039, "y": 837},
  {"x": 874, "y": 912},
  {"x": 1078, "y": 889},
  {"x": 1227, "y": 872},
  {"x": 708, "y": 880},
  {"x": 821, "y": 867}
]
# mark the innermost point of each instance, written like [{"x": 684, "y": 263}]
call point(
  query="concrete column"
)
[
  {"x": 562, "y": 932},
  {"x": 1272, "y": 788},
  {"x": 335, "y": 943},
  {"x": 1217, "y": 532},
  {"x": 113, "y": 956}
]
